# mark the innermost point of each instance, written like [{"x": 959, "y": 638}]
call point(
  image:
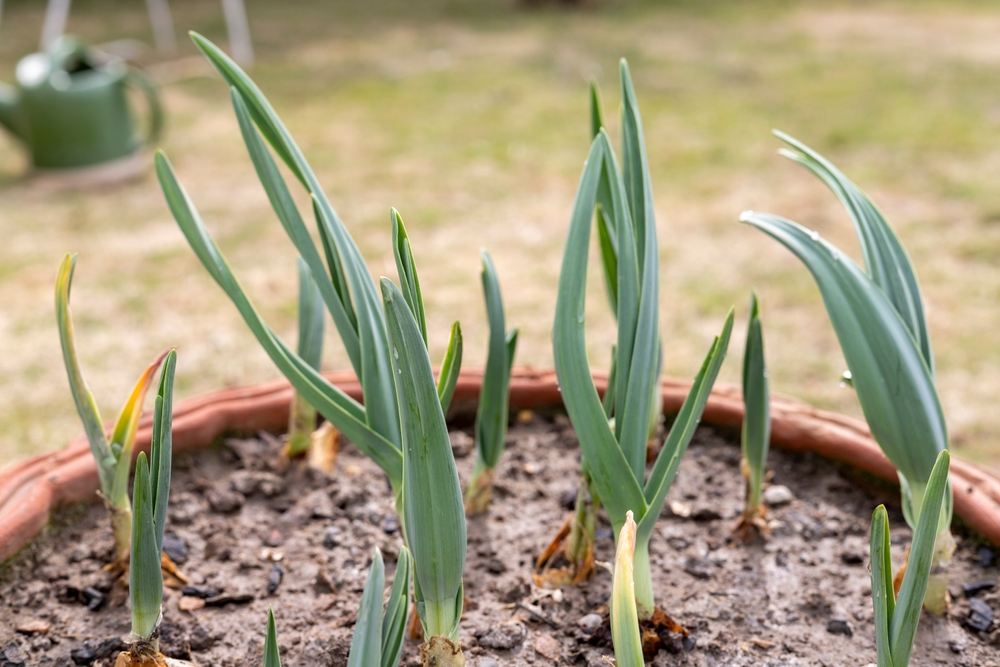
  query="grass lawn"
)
[{"x": 470, "y": 117}]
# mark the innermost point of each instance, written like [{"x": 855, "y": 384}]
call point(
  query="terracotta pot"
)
[{"x": 31, "y": 489}]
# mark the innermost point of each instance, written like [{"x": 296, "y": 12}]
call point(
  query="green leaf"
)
[
  {"x": 493, "y": 412},
  {"x": 611, "y": 474},
  {"x": 396, "y": 617},
  {"x": 375, "y": 372},
  {"x": 450, "y": 367},
  {"x": 433, "y": 511},
  {"x": 161, "y": 446},
  {"x": 596, "y": 115},
  {"x": 886, "y": 260},
  {"x": 93, "y": 425},
  {"x": 123, "y": 435},
  {"x": 346, "y": 414},
  {"x": 272, "y": 658},
  {"x": 145, "y": 578},
  {"x": 892, "y": 381},
  {"x": 635, "y": 166},
  {"x": 624, "y": 617},
  {"x": 756, "y": 434},
  {"x": 366, "y": 645},
  {"x": 291, "y": 221},
  {"x": 310, "y": 347},
  {"x": 407, "y": 271},
  {"x": 883, "y": 595},
  {"x": 667, "y": 461},
  {"x": 906, "y": 614}
]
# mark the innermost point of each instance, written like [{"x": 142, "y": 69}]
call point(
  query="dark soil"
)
[{"x": 250, "y": 535}]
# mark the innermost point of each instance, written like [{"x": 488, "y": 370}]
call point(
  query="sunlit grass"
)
[{"x": 470, "y": 118}]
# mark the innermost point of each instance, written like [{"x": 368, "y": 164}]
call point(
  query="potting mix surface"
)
[{"x": 249, "y": 533}]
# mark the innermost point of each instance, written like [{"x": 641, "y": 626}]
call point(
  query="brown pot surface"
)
[{"x": 31, "y": 489}]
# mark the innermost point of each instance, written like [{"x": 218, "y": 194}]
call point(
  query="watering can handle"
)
[{"x": 138, "y": 78}]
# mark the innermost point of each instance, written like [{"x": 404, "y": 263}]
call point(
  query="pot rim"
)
[{"x": 32, "y": 488}]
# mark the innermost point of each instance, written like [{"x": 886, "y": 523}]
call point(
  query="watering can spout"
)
[{"x": 10, "y": 102}]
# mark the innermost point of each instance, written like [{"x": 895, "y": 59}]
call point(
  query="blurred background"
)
[{"x": 471, "y": 117}]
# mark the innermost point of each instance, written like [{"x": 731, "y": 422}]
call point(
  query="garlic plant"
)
[
  {"x": 114, "y": 457},
  {"x": 150, "y": 493},
  {"x": 625, "y": 633},
  {"x": 343, "y": 281},
  {"x": 615, "y": 456},
  {"x": 756, "y": 433},
  {"x": 302, "y": 416},
  {"x": 896, "y": 618},
  {"x": 378, "y": 637},
  {"x": 492, "y": 412},
  {"x": 878, "y": 316},
  {"x": 272, "y": 658},
  {"x": 433, "y": 512}
]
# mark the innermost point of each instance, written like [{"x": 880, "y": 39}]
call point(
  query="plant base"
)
[
  {"x": 752, "y": 525},
  {"x": 442, "y": 652},
  {"x": 479, "y": 493}
]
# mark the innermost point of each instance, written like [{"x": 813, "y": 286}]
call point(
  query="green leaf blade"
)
[
  {"x": 611, "y": 474},
  {"x": 161, "y": 446},
  {"x": 145, "y": 578},
  {"x": 434, "y": 512},
  {"x": 272, "y": 658},
  {"x": 893, "y": 384},
  {"x": 493, "y": 411},
  {"x": 343, "y": 411},
  {"x": 756, "y": 431},
  {"x": 82, "y": 397},
  {"x": 396, "y": 616},
  {"x": 883, "y": 595},
  {"x": 451, "y": 365},
  {"x": 668, "y": 460},
  {"x": 366, "y": 645},
  {"x": 906, "y": 614}
]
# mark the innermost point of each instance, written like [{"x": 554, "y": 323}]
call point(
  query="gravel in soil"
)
[{"x": 250, "y": 533}]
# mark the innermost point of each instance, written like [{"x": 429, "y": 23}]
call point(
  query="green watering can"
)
[{"x": 70, "y": 107}]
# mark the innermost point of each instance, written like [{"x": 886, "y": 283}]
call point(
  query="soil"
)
[{"x": 249, "y": 535}]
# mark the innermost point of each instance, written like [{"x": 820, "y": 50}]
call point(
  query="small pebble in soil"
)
[
  {"x": 699, "y": 568},
  {"x": 92, "y": 597},
  {"x": 840, "y": 626},
  {"x": 503, "y": 636},
  {"x": 980, "y": 615},
  {"x": 225, "y": 501},
  {"x": 175, "y": 547},
  {"x": 224, "y": 599},
  {"x": 548, "y": 647},
  {"x": 390, "y": 525},
  {"x": 985, "y": 556},
  {"x": 777, "y": 495},
  {"x": 852, "y": 558},
  {"x": 567, "y": 499},
  {"x": 956, "y": 645},
  {"x": 203, "y": 592},
  {"x": 274, "y": 578},
  {"x": 590, "y": 623},
  {"x": 331, "y": 539},
  {"x": 973, "y": 588},
  {"x": 495, "y": 566},
  {"x": 96, "y": 649},
  {"x": 36, "y": 627},
  {"x": 274, "y": 538},
  {"x": 11, "y": 656},
  {"x": 487, "y": 661}
]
